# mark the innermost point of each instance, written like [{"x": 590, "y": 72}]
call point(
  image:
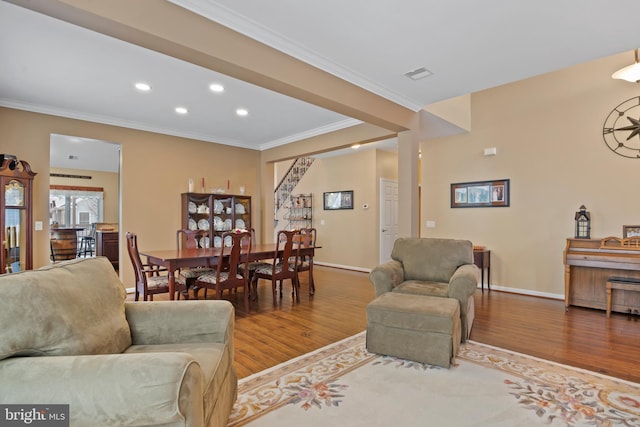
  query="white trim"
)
[
  {"x": 221, "y": 14},
  {"x": 526, "y": 292},
  {"x": 114, "y": 121},
  {"x": 332, "y": 127},
  {"x": 343, "y": 267}
]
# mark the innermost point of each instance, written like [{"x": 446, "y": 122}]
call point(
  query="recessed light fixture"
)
[
  {"x": 418, "y": 73},
  {"x": 216, "y": 87},
  {"x": 143, "y": 87},
  {"x": 181, "y": 110},
  {"x": 242, "y": 112},
  {"x": 355, "y": 146}
]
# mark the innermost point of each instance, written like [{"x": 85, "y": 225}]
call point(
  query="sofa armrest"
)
[
  {"x": 387, "y": 276},
  {"x": 111, "y": 389},
  {"x": 172, "y": 322},
  {"x": 464, "y": 282}
]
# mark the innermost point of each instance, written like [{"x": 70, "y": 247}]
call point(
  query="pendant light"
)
[{"x": 629, "y": 73}]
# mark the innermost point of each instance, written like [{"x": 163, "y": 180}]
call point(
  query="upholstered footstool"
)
[{"x": 416, "y": 327}]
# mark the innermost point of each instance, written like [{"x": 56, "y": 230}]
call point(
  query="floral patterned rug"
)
[{"x": 342, "y": 384}]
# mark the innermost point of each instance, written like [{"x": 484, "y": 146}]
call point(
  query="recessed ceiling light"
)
[
  {"x": 242, "y": 112},
  {"x": 181, "y": 110},
  {"x": 143, "y": 87},
  {"x": 355, "y": 146},
  {"x": 216, "y": 87}
]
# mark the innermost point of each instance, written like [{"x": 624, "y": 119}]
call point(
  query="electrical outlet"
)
[{"x": 431, "y": 224}]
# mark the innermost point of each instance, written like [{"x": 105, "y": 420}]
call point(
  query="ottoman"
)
[{"x": 416, "y": 327}]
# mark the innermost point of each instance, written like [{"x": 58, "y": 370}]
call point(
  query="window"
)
[{"x": 75, "y": 206}]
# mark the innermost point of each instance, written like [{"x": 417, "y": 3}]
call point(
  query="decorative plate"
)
[
  {"x": 227, "y": 224},
  {"x": 217, "y": 206},
  {"x": 203, "y": 224},
  {"x": 192, "y": 224},
  {"x": 217, "y": 241},
  {"x": 240, "y": 209},
  {"x": 192, "y": 207},
  {"x": 240, "y": 223},
  {"x": 228, "y": 241},
  {"x": 204, "y": 242}
]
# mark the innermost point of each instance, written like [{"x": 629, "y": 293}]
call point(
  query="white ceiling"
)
[{"x": 53, "y": 67}]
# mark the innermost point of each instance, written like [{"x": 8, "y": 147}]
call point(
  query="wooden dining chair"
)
[
  {"x": 306, "y": 239},
  {"x": 150, "y": 279},
  {"x": 192, "y": 239},
  {"x": 284, "y": 266},
  {"x": 228, "y": 275}
]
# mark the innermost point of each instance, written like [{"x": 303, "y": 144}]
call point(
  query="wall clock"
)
[{"x": 621, "y": 130}]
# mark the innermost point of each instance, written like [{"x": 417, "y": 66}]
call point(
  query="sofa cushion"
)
[
  {"x": 420, "y": 287},
  {"x": 71, "y": 308},
  {"x": 433, "y": 260},
  {"x": 214, "y": 360}
]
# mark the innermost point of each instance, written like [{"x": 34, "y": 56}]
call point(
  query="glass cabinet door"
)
[{"x": 14, "y": 239}]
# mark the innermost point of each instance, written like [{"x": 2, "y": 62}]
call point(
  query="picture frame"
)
[
  {"x": 480, "y": 194},
  {"x": 630, "y": 231},
  {"x": 334, "y": 200}
]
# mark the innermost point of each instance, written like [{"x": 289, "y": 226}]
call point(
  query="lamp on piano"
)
[{"x": 583, "y": 224}]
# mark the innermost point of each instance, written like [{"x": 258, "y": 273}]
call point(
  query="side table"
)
[{"x": 482, "y": 258}]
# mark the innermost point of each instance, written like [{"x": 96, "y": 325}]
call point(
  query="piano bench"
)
[{"x": 620, "y": 283}]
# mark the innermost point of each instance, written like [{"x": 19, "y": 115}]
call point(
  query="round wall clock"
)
[{"x": 621, "y": 130}]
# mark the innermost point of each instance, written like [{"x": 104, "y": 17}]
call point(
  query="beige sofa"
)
[
  {"x": 69, "y": 337},
  {"x": 434, "y": 267}
]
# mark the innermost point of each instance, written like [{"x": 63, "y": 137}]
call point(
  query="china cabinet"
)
[
  {"x": 216, "y": 213},
  {"x": 16, "y": 215},
  {"x": 300, "y": 211}
]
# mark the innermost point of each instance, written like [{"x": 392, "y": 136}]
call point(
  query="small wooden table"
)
[
  {"x": 175, "y": 259},
  {"x": 482, "y": 258}
]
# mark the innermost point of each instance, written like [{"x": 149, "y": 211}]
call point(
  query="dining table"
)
[{"x": 175, "y": 259}]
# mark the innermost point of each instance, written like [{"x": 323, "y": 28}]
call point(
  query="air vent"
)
[
  {"x": 418, "y": 73},
  {"x": 72, "y": 157}
]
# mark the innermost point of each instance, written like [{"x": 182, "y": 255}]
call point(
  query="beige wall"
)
[
  {"x": 108, "y": 181},
  {"x": 548, "y": 135},
  {"x": 155, "y": 170},
  {"x": 349, "y": 238}
]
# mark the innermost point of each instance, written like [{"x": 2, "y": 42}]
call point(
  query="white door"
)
[{"x": 388, "y": 217}]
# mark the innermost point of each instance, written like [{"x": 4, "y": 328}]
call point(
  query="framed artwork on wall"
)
[
  {"x": 630, "y": 231},
  {"x": 334, "y": 200},
  {"x": 480, "y": 194}
]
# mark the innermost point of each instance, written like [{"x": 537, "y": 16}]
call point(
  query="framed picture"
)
[
  {"x": 338, "y": 200},
  {"x": 630, "y": 231},
  {"x": 480, "y": 194}
]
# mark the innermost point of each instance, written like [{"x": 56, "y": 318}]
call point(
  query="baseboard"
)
[
  {"x": 343, "y": 267},
  {"x": 493, "y": 287},
  {"x": 526, "y": 292}
]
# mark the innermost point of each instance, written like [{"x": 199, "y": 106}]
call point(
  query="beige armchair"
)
[
  {"x": 69, "y": 337},
  {"x": 434, "y": 267}
]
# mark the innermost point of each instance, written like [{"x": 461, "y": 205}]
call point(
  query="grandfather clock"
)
[{"x": 16, "y": 214}]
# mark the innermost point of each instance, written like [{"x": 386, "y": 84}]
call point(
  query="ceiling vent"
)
[
  {"x": 72, "y": 157},
  {"x": 418, "y": 73}
]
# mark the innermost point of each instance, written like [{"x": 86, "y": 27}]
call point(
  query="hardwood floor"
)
[{"x": 584, "y": 338}]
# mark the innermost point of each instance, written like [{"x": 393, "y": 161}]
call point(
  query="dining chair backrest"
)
[
  {"x": 237, "y": 253},
  {"x": 134, "y": 255},
  {"x": 307, "y": 237},
  {"x": 190, "y": 239},
  {"x": 284, "y": 243}
]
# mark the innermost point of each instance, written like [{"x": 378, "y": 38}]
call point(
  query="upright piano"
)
[{"x": 588, "y": 263}]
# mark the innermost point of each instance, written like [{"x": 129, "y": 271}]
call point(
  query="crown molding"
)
[
  {"x": 332, "y": 127},
  {"x": 216, "y": 12},
  {"x": 107, "y": 120}
]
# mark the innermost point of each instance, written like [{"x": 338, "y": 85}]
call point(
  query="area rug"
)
[{"x": 344, "y": 385}]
